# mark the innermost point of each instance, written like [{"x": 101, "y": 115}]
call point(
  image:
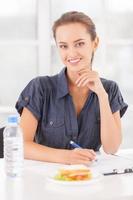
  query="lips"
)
[{"x": 74, "y": 60}]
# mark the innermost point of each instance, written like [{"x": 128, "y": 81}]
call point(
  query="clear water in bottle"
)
[{"x": 13, "y": 148}]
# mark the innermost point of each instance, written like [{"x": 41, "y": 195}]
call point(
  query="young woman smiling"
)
[{"x": 75, "y": 104}]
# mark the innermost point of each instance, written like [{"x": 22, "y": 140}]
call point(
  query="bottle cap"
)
[{"x": 12, "y": 119}]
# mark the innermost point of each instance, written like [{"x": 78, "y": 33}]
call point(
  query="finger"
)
[
  {"x": 91, "y": 154},
  {"x": 81, "y": 150},
  {"x": 82, "y": 154},
  {"x": 79, "y": 159},
  {"x": 86, "y": 82},
  {"x": 83, "y": 158},
  {"x": 85, "y": 153},
  {"x": 81, "y": 82},
  {"x": 92, "y": 151},
  {"x": 90, "y": 76},
  {"x": 81, "y": 77}
]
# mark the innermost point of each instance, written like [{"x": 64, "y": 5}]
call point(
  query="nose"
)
[{"x": 72, "y": 53}]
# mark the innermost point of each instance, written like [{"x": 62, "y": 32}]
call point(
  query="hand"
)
[
  {"x": 90, "y": 79},
  {"x": 81, "y": 156}
]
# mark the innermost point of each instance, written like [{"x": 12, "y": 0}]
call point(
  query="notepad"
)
[{"x": 107, "y": 163}]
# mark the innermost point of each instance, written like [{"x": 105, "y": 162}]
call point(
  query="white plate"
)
[{"x": 96, "y": 176}]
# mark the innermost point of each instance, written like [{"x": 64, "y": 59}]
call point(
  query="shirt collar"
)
[{"x": 62, "y": 86}]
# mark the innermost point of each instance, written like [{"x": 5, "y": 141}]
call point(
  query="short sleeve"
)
[
  {"x": 116, "y": 99},
  {"x": 32, "y": 98}
]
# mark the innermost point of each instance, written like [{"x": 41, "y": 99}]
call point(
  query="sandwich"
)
[{"x": 73, "y": 174}]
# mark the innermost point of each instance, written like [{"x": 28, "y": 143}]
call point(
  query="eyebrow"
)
[{"x": 74, "y": 41}]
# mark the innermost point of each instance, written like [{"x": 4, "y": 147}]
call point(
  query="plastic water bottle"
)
[{"x": 13, "y": 148}]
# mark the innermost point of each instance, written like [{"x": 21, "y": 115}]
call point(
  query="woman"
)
[{"x": 75, "y": 104}]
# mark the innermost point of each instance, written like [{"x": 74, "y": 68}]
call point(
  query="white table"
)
[{"x": 35, "y": 186}]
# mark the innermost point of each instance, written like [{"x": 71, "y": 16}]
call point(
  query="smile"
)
[{"x": 74, "y": 61}]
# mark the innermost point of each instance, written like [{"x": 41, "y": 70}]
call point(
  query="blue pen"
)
[{"x": 75, "y": 145}]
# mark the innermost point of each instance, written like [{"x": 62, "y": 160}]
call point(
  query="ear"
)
[{"x": 95, "y": 43}]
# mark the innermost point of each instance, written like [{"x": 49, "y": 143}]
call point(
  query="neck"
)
[{"x": 72, "y": 77}]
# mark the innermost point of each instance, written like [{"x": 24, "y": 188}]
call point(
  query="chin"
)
[{"x": 74, "y": 68}]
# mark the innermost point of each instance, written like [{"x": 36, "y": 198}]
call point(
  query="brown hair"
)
[{"x": 75, "y": 17}]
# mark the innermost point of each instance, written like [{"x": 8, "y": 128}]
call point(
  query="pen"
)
[
  {"x": 118, "y": 172},
  {"x": 110, "y": 173},
  {"x": 75, "y": 145}
]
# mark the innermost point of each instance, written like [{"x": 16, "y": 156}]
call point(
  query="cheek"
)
[
  {"x": 62, "y": 55},
  {"x": 88, "y": 53}
]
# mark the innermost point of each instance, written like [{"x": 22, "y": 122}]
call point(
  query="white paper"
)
[{"x": 106, "y": 163}]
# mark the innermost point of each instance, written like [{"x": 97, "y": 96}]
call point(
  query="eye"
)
[
  {"x": 63, "y": 46},
  {"x": 79, "y": 44}
]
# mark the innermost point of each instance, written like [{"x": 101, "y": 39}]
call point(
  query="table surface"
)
[{"x": 35, "y": 185}]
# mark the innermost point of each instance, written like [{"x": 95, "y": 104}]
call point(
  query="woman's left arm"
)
[{"x": 111, "y": 135}]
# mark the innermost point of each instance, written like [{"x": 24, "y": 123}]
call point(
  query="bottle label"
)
[{"x": 13, "y": 155}]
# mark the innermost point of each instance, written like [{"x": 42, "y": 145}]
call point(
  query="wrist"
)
[
  {"x": 102, "y": 94},
  {"x": 65, "y": 156}
]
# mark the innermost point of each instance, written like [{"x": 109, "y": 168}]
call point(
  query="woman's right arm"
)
[{"x": 36, "y": 151}]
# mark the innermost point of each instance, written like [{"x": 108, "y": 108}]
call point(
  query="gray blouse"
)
[{"x": 48, "y": 98}]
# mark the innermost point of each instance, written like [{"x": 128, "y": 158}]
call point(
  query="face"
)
[{"x": 75, "y": 46}]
